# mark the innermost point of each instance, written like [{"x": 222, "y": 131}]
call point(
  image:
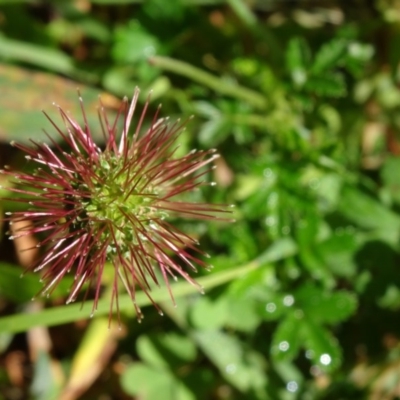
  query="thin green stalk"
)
[
  {"x": 244, "y": 12},
  {"x": 64, "y": 314},
  {"x": 209, "y": 80}
]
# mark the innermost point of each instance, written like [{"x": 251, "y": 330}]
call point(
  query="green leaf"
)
[
  {"x": 44, "y": 57},
  {"x": 272, "y": 306},
  {"x": 307, "y": 228},
  {"x": 391, "y": 298},
  {"x": 315, "y": 265},
  {"x": 287, "y": 338},
  {"x": 292, "y": 375},
  {"x": 358, "y": 55},
  {"x": 165, "y": 351},
  {"x": 322, "y": 348},
  {"x": 281, "y": 248},
  {"x": 368, "y": 212},
  {"x": 273, "y": 205},
  {"x": 207, "y": 109},
  {"x": 133, "y": 43},
  {"x": 149, "y": 353},
  {"x": 297, "y": 60},
  {"x": 297, "y": 54},
  {"x": 328, "y": 190},
  {"x": 148, "y": 383},
  {"x": 241, "y": 313},
  {"x": 390, "y": 174},
  {"x": 329, "y": 56},
  {"x": 331, "y": 116},
  {"x": 208, "y": 314},
  {"x": 254, "y": 283},
  {"x": 327, "y": 85},
  {"x": 245, "y": 247},
  {"x": 338, "y": 251},
  {"x": 240, "y": 366},
  {"x": 181, "y": 346},
  {"x": 214, "y": 132},
  {"x": 323, "y": 306},
  {"x": 255, "y": 206},
  {"x": 162, "y": 10}
]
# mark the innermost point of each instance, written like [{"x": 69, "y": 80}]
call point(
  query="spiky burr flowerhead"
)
[{"x": 93, "y": 206}]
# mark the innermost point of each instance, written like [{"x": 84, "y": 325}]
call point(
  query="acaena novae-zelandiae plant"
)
[{"x": 92, "y": 206}]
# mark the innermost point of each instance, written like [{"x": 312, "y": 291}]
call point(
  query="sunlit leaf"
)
[
  {"x": 23, "y": 99},
  {"x": 93, "y": 354},
  {"x": 208, "y": 314},
  {"x": 241, "y": 313}
]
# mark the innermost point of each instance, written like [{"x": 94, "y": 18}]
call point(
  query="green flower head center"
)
[{"x": 122, "y": 198}]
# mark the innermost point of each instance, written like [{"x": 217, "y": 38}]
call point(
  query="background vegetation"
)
[{"x": 301, "y": 99}]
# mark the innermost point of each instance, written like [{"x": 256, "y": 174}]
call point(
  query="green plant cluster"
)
[{"x": 302, "y": 102}]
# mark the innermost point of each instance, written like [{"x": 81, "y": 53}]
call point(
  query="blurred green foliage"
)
[{"x": 302, "y": 101}]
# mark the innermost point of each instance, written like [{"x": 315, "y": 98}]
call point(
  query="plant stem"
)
[
  {"x": 64, "y": 314},
  {"x": 209, "y": 80}
]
